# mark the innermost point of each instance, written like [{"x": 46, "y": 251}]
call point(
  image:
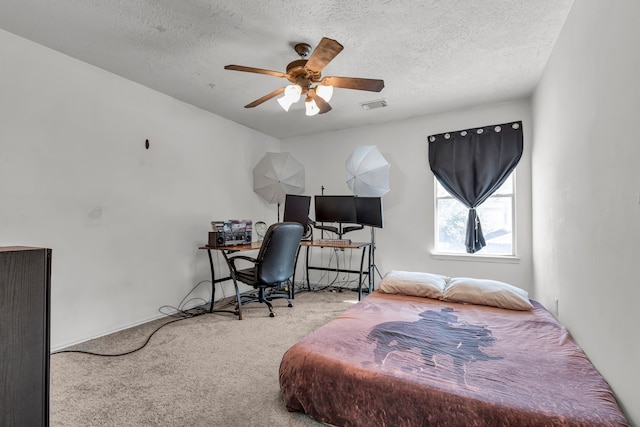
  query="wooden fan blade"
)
[
  {"x": 326, "y": 50},
  {"x": 255, "y": 70},
  {"x": 265, "y": 98},
  {"x": 372, "y": 85},
  {"x": 323, "y": 105}
]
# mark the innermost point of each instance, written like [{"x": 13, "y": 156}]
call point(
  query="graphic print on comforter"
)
[{"x": 435, "y": 333}]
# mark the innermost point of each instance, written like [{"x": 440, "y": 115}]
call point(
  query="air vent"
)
[{"x": 374, "y": 104}]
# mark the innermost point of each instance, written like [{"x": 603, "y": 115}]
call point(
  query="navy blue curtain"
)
[{"x": 472, "y": 164}]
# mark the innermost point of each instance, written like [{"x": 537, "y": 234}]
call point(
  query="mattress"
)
[{"x": 397, "y": 360}]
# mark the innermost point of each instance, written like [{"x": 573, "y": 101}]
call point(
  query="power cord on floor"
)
[
  {"x": 180, "y": 310},
  {"x": 126, "y": 352},
  {"x": 180, "y": 313}
]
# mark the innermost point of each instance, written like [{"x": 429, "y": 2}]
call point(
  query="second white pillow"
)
[{"x": 487, "y": 292}]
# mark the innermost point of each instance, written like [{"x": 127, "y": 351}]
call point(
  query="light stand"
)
[{"x": 373, "y": 251}]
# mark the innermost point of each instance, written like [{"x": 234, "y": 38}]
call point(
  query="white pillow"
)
[
  {"x": 414, "y": 283},
  {"x": 487, "y": 292}
]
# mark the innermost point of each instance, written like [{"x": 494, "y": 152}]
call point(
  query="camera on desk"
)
[{"x": 231, "y": 232}]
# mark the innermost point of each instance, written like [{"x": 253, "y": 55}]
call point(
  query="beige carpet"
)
[{"x": 210, "y": 370}]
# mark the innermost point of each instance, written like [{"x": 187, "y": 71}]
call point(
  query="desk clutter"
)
[{"x": 231, "y": 232}]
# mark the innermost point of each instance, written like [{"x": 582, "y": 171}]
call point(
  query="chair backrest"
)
[{"x": 277, "y": 256}]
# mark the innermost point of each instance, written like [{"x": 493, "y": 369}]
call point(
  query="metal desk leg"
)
[
  {"x": 371, "y": 267},
  {"x": 292, "y": 286},
  {"x": 306, "y": 266},
  {"x": 238, "y": 298},
  {"x": 364, "y": 249},
  {"x": 235, "y": 285},
  {"x": 213, "y": 287},
  {"x": 213, "y": 281}
]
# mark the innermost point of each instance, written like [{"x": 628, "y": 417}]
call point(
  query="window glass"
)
[{"x": 496, "y": 218}]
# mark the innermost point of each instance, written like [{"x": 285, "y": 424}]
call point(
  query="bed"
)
[{"x": 421, "y": 351}]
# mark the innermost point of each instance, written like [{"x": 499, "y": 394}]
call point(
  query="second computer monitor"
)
[
  {"x": 296, "y": 209},
  {"x": 340, "y": 209},
  {"x": 369, "y": 211}
]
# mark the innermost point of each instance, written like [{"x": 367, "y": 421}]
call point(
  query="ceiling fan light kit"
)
[
  {"x": 305, "y": 76},
  {"x": 291, "y": 95},
  {"x": 311, "y": 108},
  {"x": 324, "y": 92}
]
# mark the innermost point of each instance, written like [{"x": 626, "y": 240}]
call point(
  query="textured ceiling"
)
[{"x": 433, "y": 55}]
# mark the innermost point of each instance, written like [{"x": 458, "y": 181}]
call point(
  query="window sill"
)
[{"x": 506, "y": 259}]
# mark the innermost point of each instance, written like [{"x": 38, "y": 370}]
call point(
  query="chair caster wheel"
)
[
  {"x": 272, "y": 315},
  {"x": 290, "y": 305}
]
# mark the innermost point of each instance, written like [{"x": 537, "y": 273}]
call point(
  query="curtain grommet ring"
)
[
  {"x": 432, "y": 139},
  {"x": 497, "y": 129},
  {"x": 479, "y": 131},
  {"x": 515, "y": 125}
]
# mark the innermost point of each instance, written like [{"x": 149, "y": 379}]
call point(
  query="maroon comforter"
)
[{"x": 394, "y": 360}]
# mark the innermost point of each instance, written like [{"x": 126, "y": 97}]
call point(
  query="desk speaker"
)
[{"x": 217, "y": 239}]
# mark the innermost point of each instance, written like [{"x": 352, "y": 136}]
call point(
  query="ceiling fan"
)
[{"x": 305, "y": 76}]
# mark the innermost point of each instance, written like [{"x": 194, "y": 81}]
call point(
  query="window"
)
[{"x": 496, "y": 219}]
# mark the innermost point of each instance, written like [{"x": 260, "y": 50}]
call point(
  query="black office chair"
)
[{"x": 274, "y": 265}]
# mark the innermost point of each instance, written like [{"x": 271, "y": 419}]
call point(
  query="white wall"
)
[
  {"x": 586, "y": 188},
  {"x": 407, "y": 240},
  {"x": 124, "y": 222}
]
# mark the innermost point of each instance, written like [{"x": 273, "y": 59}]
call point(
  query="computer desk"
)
[
  {"x": 364, "y": 246},
  {"x": 307, "y": 244}
]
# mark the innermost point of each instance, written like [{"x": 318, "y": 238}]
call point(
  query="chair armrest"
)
[{"x": 233, "y": 259}]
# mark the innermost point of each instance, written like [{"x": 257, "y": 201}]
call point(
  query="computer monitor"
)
[
  {"x": 296, "y": 209},
  {"x": 341, "y": 209},
  {"x": 369, "y": 211}
]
